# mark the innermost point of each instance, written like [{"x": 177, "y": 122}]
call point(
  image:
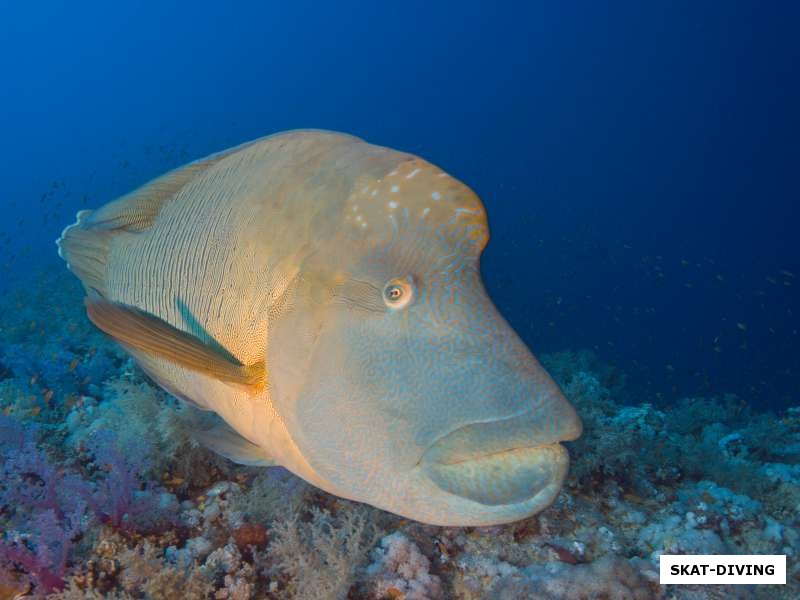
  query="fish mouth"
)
[
  {"x": 513, "y": 476},
  {"x": 504, "y": 462}
]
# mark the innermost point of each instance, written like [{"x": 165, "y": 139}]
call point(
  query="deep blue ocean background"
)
[{"x": 639, "y": 161}]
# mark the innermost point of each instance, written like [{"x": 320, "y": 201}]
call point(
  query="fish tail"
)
[{"x": 85, "y": 251}]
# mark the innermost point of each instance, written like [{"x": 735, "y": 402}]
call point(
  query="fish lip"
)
[
  {"x": 445, "y": 435},
  {"x": 512, "y": 461},
  {"x": 428, "y": 460},
  {"x": 501, "y": 436},
  {"x": 490, "y": 454},
  {"x": 519, "y": 476}
]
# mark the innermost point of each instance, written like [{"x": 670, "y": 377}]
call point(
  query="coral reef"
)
[
  {"x": 105, "y": 494},
  {"x": 322, "y": 557},
  {"x": 399, "y": 569}
]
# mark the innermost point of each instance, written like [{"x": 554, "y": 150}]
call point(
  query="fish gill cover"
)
[{"x": 638, "y": 167}]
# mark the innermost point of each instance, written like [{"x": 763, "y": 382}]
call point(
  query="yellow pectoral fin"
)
[{"x": 149, "y": 334}]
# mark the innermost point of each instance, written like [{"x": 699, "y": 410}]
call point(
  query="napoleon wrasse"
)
[{"x": 323, "y": 296}]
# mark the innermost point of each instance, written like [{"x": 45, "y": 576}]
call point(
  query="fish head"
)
[{"x": 398, "y": 379}]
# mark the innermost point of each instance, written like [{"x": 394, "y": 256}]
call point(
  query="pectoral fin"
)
[
  {"x": 223, "y": 440},
  {"x": 155, "y": 337}
]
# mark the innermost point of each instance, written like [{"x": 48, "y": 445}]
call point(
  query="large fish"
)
[{"x": 323, "y": 296}]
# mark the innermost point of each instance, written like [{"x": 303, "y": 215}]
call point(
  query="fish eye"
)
[{"x": 397, "y": 293}]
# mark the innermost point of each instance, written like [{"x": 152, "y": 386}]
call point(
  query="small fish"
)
[
  {"x": 563, "y": 554},
  {"x": 323, "y": 296}
]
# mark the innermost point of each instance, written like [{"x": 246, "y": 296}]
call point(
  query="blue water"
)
[{"x": 639, "y": 161}]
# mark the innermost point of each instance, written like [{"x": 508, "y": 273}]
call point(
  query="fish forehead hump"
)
[
  {"x": 416, "y": 195},
  {"x": 338, "y": 185}
]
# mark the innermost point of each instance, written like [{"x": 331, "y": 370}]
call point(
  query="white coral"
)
[{"x": 399, "y": 567}]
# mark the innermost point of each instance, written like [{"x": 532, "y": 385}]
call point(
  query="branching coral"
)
[
  {"x": 321, "y": 557},
  {"x": 122, "y": 498},
  {"x": 143, "y": 571},
  {"x": 272, "y": 495},
  {"x": 47, "y": 506},
  {"x": 44, "y": 507}
]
